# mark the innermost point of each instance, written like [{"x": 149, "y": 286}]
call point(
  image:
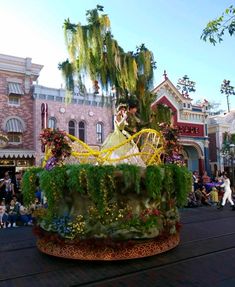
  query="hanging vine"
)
[{"x": 95, "y": 54}]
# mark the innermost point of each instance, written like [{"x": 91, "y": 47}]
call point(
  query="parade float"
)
[{"x": 101, "y": 206}]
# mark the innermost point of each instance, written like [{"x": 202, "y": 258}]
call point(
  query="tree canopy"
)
[
  {"x": 94, "y": 53},
  {"x": 215, "y": 29}
]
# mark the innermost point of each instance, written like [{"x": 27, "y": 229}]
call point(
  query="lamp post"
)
[
  {"x": 232, "y": 153},
  {"x": 228, "y": 90},
  {"x": 186, "y": 85}
]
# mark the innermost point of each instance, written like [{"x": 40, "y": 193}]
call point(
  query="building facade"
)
[
  {"x": 26, "y": 108},
  {"x": 16, "y": 111},
  {"x": 191, "y": 121},
  {"x": 218, "y": 126},
  {"x": 88, "y": 117}
]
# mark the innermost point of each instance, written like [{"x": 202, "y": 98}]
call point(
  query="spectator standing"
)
[
  {"x": 227, "y": 193},
  {"x": 195, "y": 180},
  {"x": 3, "y": 215},
  {"x": 17, "y": 186},
  {"x": 7, "y": 188}
]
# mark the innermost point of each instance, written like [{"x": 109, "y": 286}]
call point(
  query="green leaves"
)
[
  {"x": 215, "y": 29},
  {"x": 123, "y": 201},
  {"x": 95, "y": 53}
]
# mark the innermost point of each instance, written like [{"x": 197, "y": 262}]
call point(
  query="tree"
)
[
  {"x": 95, "y": 54},
  {"x": 215, "y": 29}
]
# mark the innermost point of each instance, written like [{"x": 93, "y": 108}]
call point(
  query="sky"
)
[{"x": 170, "y": 29}]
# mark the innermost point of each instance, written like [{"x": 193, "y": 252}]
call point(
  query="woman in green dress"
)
[{"x": 119, "y": 136}]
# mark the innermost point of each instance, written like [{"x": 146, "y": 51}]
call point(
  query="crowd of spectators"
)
[
  {"x": 206, "y": 191},
  {"x": 13, "y": 212}
]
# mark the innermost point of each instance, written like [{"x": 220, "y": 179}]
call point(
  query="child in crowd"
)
[
  {"x": 25, "y": 215},
  {"x": 3, "y": 215},
  {"x": 12, "y": 210}
]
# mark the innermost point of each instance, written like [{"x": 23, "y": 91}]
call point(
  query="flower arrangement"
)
[
  {"x": 58, "y": 144},
  {"x": 172, "y": 146}
]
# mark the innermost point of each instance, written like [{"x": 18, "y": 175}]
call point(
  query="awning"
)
[
  {"x": 14, "y": 125},
  {"x": 10, "y": 153},
  {"x": 15, "y": 89}
]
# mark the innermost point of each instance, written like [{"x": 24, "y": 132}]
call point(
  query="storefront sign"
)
[
  {"x": 191, "y": 130},
  {"x": 7, "y": 162},
  {"x": 188, "y": 130}
]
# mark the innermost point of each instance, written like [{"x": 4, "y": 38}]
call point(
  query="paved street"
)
[{"x": 205, "y": 257}]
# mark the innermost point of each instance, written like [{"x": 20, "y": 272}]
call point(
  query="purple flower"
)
[{"x": 51, "y": 163}]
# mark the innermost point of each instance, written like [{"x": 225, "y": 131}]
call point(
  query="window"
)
[
  {"x": 14, "y": 138},
  {"x": 81, "y": 131},
  {"x": 14, "y": 100},
  {"x": 99, "y": 132},
  {"x": 52, "y": 123},
  {"x": 72, "y": 128},
  {"x": 14, "y": 128}
]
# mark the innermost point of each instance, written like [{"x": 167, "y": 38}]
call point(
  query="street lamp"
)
[
  {"x": 232, "y": 153},
  {"x": 185, "y": 85},
  {"x": 228, "y": 90}
]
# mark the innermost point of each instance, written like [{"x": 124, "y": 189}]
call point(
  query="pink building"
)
[
  {"x": 16, "y": 111},
  {"x": 191, "y": 120},
  {"x": 88, "y": 117}
]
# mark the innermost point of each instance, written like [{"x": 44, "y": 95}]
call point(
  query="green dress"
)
[
  {"x": 117, "y": 137},
  {"x": 127, "y": 149}
]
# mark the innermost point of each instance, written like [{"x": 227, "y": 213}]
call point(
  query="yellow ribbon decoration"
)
[{"x": 150, "y": 150}]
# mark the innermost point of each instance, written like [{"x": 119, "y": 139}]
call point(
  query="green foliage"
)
[
  {"x": 94, "y": 53},
  {"x": 30, "y": 183},
  {"x": 215, "y": 29},
  {"x": 77, "y": 178},
  {"x": 233, "y": 138},
  {"x": 131, "y": 177},
  {"x": 123, "y": 201},
  {"x": 228, "y": 139},
  {"x": 153, "y": 179},
  {"x": 169, "y": 184},
  {"x": 101, "y": 185},
  {"x": 67, "y": 70},
  {"x": 183, "y": 184},
  {"x": 162, "y": 114},
  {"x": 54, "y": 185}
]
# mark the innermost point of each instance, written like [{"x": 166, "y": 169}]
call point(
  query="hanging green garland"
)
[
  {"x": 30, "y": 183},
  {"x": 154, "y": 180}
]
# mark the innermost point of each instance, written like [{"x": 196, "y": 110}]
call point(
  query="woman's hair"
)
[{"x": 121, "y": 106}]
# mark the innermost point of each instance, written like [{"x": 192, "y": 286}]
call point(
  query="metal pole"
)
[{"x": 228, "y": 104}]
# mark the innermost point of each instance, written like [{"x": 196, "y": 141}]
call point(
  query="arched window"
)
[
  {"x": 52, "y": 123},
  {"x": 72, "y": 128},
  {"x": 81, "y": 131},
  {"x": 99, "y": 132},
  {"x": 14, "y": 128}
]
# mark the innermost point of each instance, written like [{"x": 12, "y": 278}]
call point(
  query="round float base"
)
[{"x": 139, "y": 249}]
